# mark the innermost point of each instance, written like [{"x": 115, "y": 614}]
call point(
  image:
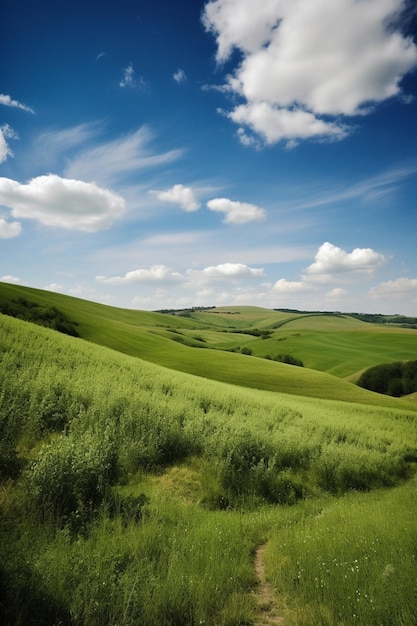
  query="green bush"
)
[
  {"x": 48, "y": 316},
  {"x": 393, "y": 379},
  {"x": 71, "y": 477},
  {"x": 290, "y": 360}
]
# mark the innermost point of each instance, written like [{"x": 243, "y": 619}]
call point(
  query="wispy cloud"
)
[
  {"x": 6, "y": 132},
  {"x": 180, "y": 76},
  {"x": 131, "y": 80},
  {"x": 9, "y": 102},
  {"x": 64, "y": 139},
  {"x": 368, "y": 189},
  {"x": 111, "y": 162},
  {"x": 399, "y": 288}
]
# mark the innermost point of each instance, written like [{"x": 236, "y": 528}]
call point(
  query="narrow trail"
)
[{"x": 267, "y": 612}]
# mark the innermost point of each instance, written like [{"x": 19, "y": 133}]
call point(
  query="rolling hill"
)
[{"x": 209, "y": 344}]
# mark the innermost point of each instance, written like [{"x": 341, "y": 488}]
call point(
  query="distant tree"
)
[
  {"x": 290, "y": 360},
  {"x": 392, "y": 379}
]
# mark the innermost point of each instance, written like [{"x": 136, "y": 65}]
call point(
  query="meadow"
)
[{"x": 132, "y": 493}]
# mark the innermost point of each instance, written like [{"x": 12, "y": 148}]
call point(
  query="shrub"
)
[
  {"x": 392, "y": 379},
  {"x": 71, "y": 477},
  {"x": 290, "y": 360},
  {"x": 48, "y": 316}
]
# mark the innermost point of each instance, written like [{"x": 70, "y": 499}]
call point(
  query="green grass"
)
[
  {"x": 353, "y": 563},
  {"x": 131, "y": 493}
]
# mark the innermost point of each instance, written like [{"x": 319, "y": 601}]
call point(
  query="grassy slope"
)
[
  {"x": 183, "y": 564},
  {"x": 340, "y": 346},
  {"x": 150, "y": 336}
]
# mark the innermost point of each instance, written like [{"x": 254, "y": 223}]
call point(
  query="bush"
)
[
  {"x": 71, "y": 477},
  {"x": 290, "y": 360},
  {"x": 48, "y": 316},
  {"x": 392, "y": 379}
]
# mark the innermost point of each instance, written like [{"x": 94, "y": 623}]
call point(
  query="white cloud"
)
[
  {"x": 61, "y": 202},
  {"x": 274, "y": 124},
  {"x": 236, "y": 212},
  {"x": 178, "y": 194},
  {"x": 112, "y": 161},
  {"x": 336, "y": 293},
  {"x": 8, "y": 102},
  {"x": 156, "y": 274},
  {"x": 10, "y": 279},
  {"x": 8, "y": 230},
  {"x": 286, "y": 286},
  {"x": 309, "y": 59},
  {"x": 224, "y": 272},
  {"x": 128, "y": 77},
  {"x": 54, "y": 287},
  {"x": 62, "y": 140},
  {"x": 180, "y": 76},
  {"x": 6, "y": 132},
  {"x": 395, "y": 288},
  {"x": 131, "y": 80},
  {"x": 331, "y": 259}
]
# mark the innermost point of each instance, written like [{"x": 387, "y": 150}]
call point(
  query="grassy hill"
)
[
  {"x": 209, "y": 344},
  {"x": 134, "y": 494}
]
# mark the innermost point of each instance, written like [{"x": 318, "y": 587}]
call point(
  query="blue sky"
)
[{"x": 192, "y": 153}]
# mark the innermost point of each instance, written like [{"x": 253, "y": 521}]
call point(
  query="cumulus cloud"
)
[
  {"x": 10, "y": 279},
  {"x": 6, "y": 132},
  {"x": 225, "y": 272},
  {"x": 54, "y": 287},
  {"x": 287, "y": 286},
  {"x": 180, "y": 76},
  {"x": 8, "y": 230},
  {"x": 273, "y": 124},
  {"x": 395, "y": 288},
  {"x": 62, "y": 202},
  {"x": 336, "y": 293},
  {"x": 331, "y": 259},
  {"x": 178, "y": 194},
  {"x": 303, "y": 61},
  {"x": 236, "y": 212},
  {"x": 8, "y": 102},
  {"x": 156, "y": 274}
]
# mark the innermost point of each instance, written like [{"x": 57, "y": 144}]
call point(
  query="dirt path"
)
[{"x": 267, "y": 606}]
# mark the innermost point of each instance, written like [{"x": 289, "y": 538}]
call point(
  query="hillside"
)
[
  {"x": 210, "y": 344},
  {"x": 124, "y": 484},
  {"x": 134, "y": 494}
]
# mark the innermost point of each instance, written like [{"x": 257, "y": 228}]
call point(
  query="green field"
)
[
  {"x": 206, "y": 344},
  {"x": 148, "y": 466}
]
